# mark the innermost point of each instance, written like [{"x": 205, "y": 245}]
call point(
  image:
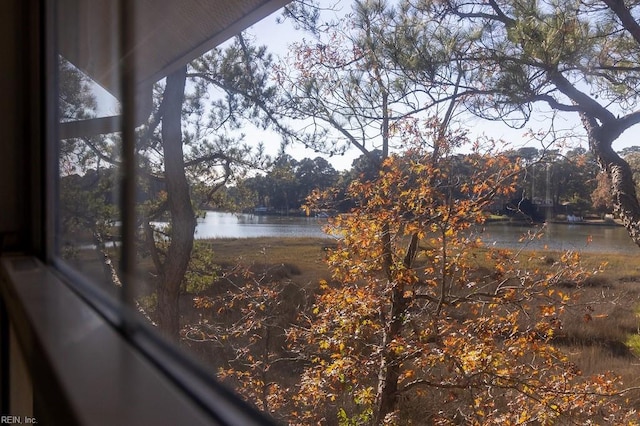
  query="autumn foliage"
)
[
  {"x": 412, "y": 331},
  {"x": 242, "y": 319}
]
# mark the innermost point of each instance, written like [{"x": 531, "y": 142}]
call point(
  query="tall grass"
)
[{"x": 601, "y": 329}]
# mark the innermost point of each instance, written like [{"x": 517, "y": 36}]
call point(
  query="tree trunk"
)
[
  {"x": 389, "y": 372},
  {"x": 390, "y": 368},
  {"x": 183, "y": 221},
  {"x": 623, "y": 188}
]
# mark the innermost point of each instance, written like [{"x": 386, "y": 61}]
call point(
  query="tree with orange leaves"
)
[
  {"x": 412, "y": 328},
  {"x": 420, "y": 321}
]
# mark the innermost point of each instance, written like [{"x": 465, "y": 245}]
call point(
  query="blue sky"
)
[{"x": 278, "y": 37}]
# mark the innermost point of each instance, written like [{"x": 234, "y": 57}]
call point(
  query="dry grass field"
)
[{"x": 601, "y": 330}]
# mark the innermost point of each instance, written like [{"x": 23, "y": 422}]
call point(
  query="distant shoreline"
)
[
  {"x": 522, "y": 222},
  {"x": 588, "y": 222}
]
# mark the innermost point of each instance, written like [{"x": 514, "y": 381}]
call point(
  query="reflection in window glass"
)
[
  {"x": 190, "y": 145},
  {"x": 88, "y": 207},
  {"x": 89, "y": 148}
]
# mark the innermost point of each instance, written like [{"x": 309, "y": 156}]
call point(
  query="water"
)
[
  {"x": 556, "y": 236},
  {"x": 229, "y": 225},
  {"x": 560, "y": 237}
]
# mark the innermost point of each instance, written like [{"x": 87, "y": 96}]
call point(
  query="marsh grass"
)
[
  {"x": 601, "y": 329},
  {"x": 302, "y": 258}
]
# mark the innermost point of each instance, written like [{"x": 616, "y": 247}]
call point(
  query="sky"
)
[{"x": 278, "y": 36}]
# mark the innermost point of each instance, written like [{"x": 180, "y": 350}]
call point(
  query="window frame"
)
[
  {"x": 84, "y": 370},
  {"x": 64, "y": 329}
]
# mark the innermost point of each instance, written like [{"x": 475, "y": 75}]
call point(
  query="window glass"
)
[
  {"x": 88, "y": 219},
  {"x": 455, "y": 271},
  {"x": 190, "y": 144}
]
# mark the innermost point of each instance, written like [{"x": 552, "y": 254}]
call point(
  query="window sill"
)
[{"x": 82, "y": 369}]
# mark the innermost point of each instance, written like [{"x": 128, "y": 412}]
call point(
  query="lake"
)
[
  {"x": 231, "y": 225},
  {"x": 560, "y": 237},
  {"x": 556, "y": 236}
]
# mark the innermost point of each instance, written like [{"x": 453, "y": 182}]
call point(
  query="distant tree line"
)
[
  {"x": 563, "y": 183},
  {"x": 560, "y": 183}
]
